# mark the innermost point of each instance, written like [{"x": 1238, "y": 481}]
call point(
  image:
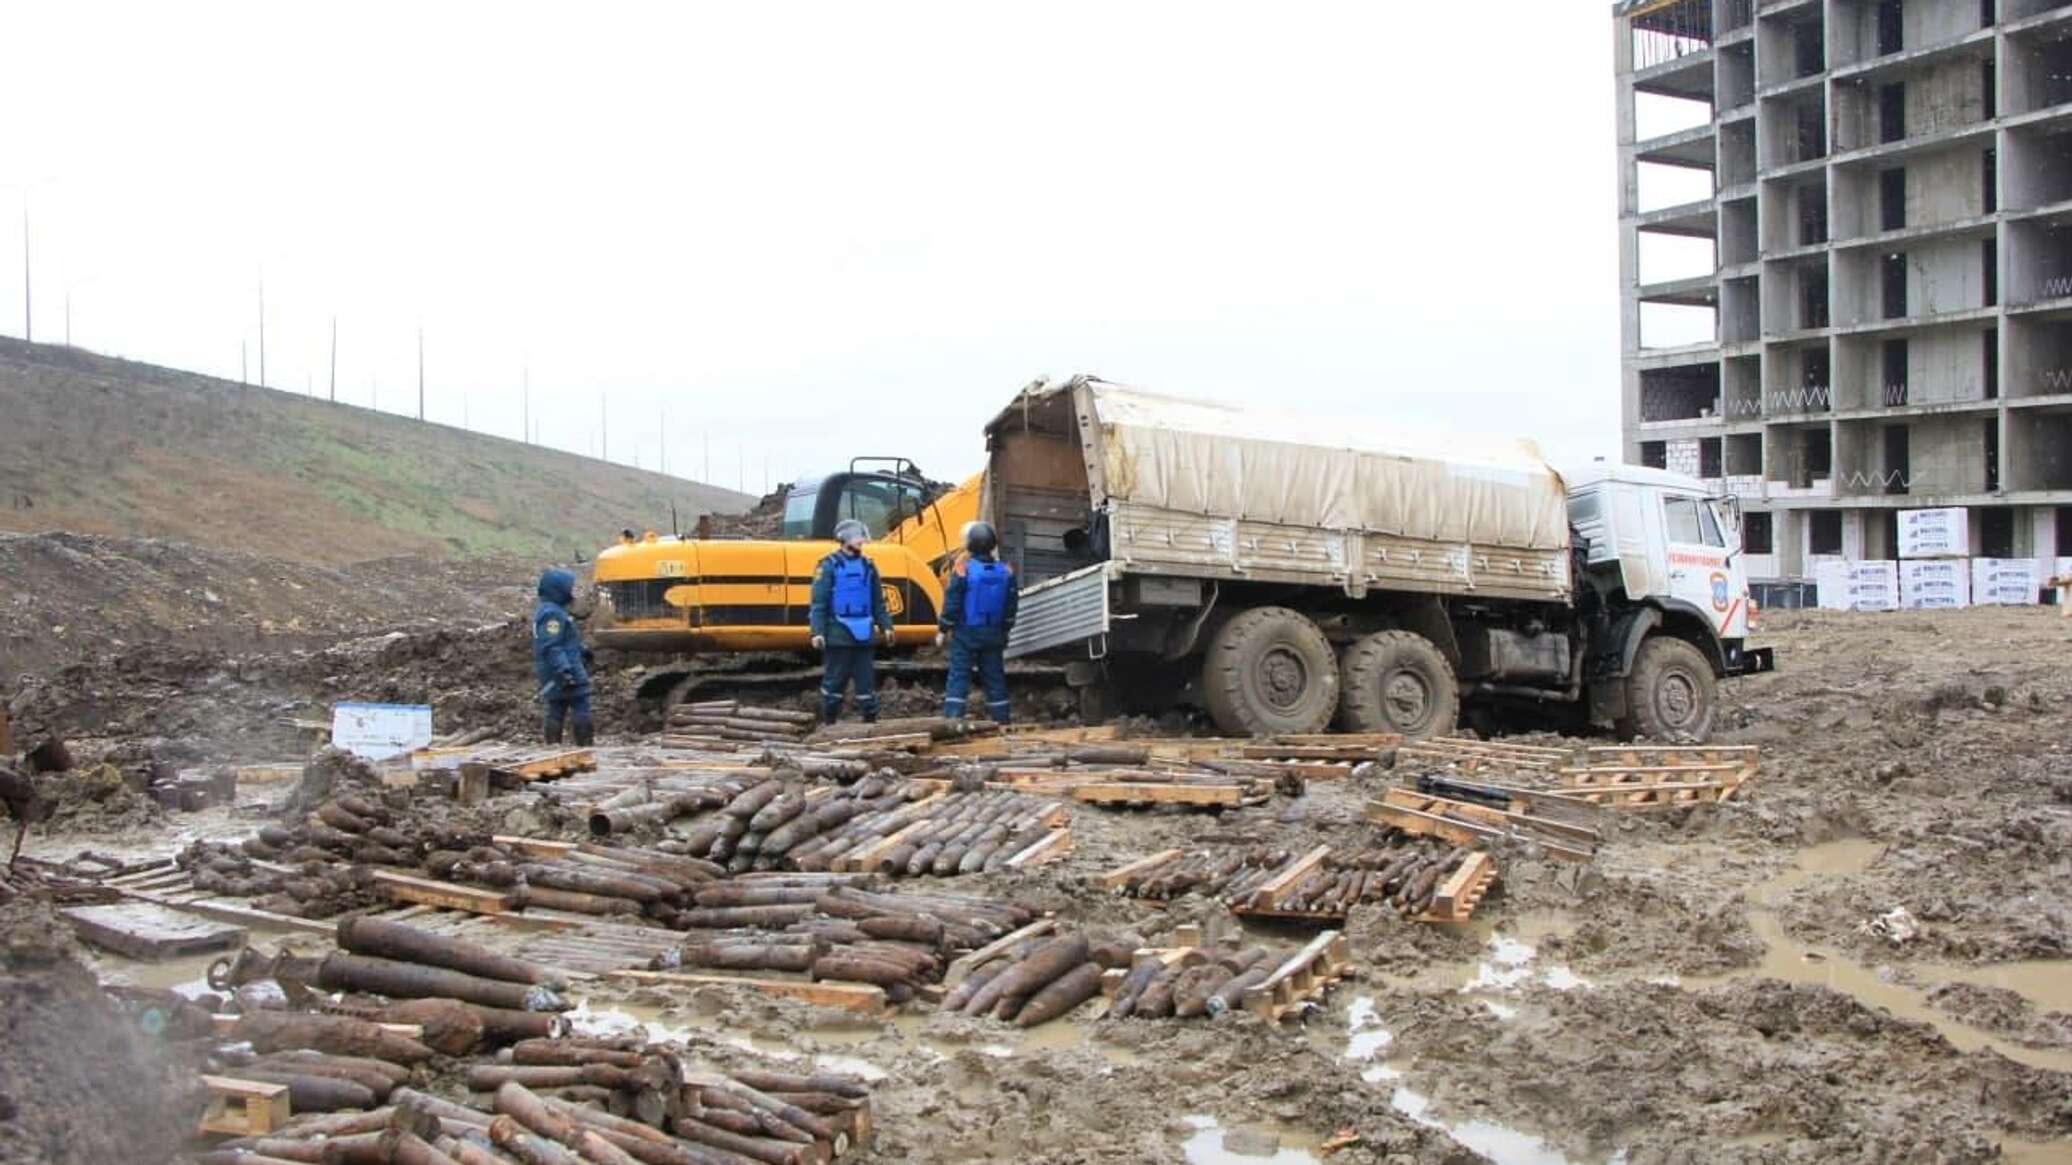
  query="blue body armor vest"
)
[
  {"x": 852, "y": 597},
  {"x": 985, "y": 593}
]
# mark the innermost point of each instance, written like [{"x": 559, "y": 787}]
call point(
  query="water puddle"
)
[
  {"x": 2044, "y": 983},
  {"x": 2021, "y": 1151},
  {"x": 1254, "y": 1144},
  {"x": 1499, "y": 1143},
  {"x": 1367, "y": 1038}
]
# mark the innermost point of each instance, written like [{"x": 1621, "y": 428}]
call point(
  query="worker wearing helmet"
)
[
  {"x": 559, "y": 660},
  {"x": 848, "y": 617},
  {"x": 978, "y": 611}
]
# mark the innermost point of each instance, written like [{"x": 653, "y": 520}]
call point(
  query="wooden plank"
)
[
  {"x": 1056, "y": 844},
  {"x": 865, "y": 858},
  {"x": 147, "y": 931},
  {"x": 1128, "y": 793},
  {"x": 228, "y": 911},
  {"x": 1121, "y": 875},
  {"x": 1268, "y": 895},
  {"x": 862, "y": 997},
  {"x": 961, "y": 968},
  {"x": 535, "y": 846},
  {"x": 1462, "y": 890},
  {"x": 474, "y": 899}
]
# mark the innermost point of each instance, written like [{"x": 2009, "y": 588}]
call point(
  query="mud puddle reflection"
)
[{"x": 1252, "y": 1144}]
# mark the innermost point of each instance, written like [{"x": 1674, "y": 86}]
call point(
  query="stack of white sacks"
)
[
  {"x": 1934, "y": 558},
  {"x": 1856, "y": 586}
]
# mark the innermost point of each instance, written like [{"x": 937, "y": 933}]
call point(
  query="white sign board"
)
[{"x": 379, "y": 731}]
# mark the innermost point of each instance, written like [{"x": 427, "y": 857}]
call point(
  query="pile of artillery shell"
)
[
  {"x": 733, "y": 720},
  {"x": 1198, "y": 983},
  {"x": 1040, "y": 979},
  {"x": 1227, "y": 874},
  {"x": 1401, "y": 872},
  {"x": 566, "y": 1101},
  {"x": 781, "y": 824},
  {"x": 816, "y": 925}
]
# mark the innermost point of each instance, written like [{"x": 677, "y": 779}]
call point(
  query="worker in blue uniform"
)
[
  {"x": 848, "y": 618},
  {"x": 978, "y": 610},
  {"x": 559, "y": 660}
]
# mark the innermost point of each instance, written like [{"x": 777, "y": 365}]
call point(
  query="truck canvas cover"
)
[{"x": 1197, "y": 487}]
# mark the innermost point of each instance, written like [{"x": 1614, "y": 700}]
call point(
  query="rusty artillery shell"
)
[
  {"x": 308, "y": 1092},
  {"x": 470, "y": 1150},
  {"x": 576, "y": 903},
  {"x": 337, "y": 816},
  {"x": 625, "y": 819},
  {"x": 791, "y": 1120},
  {"x": 770, "y": 1152},
  {"x": 751, "y": 956},
  {"x": 450, "y": 1027},
  {"x": 1133, "y": 985},
  {"x": 1191, "y": 997},
  {"x": 273, "y": 1030},
  {"x": 445, "y": 1110},
  {"x": 751, "y": 800},
  {"x": 519, "y": 1103},
  {"x": 401, "y": 1148},
  {"x": 583, "y": 881},
  {"x": 509, "y": 1136},
  {"x": 780, "y": 1082},
  {"x": 748, "y": 894},
  {"x": 343, "y": 972},
  {"x": 1037, "y": 971},
  {"x": 1232, "y": 993},
  {"x": 913, "y": 928},
  {"x": 490, "y": 1077},
  {"x": 779, "y": 810},
  {"x": 240, "y": 1157},
  {"x": 377, "y": 1076},
  {"x": 499, "y": 1025},
  {"x": 275, "y": 1148},
  {"x": 393, "y": 940},
  {"x": 859, "y": 969},
  {"x": 773, "y": 917},
  {"x": 565, "y": 1053},
  {"x": 1061, "y": 995},
  {"x": 961, "y": 994},
  {"x": 357, "y": 1149}
]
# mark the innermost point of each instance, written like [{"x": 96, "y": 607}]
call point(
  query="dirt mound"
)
[
  {"x": 2004, "y": 1012},
  {"x": 121, "y": 448},
  {"x": 96, "y": 799},
  {"x": 78, "y": 1083},
  {"x": 68, "y": 597}
]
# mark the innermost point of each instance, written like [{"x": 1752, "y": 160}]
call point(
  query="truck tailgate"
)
[{"x": 1067, "y": 609}]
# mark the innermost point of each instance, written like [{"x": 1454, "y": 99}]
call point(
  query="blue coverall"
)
[
  {"x": 978, "y": 611},
  {"x": 848, "y": 607},
  {"x": 558, "y": 658}
]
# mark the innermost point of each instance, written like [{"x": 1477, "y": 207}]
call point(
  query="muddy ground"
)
[{"x": 1864, "y": 958}]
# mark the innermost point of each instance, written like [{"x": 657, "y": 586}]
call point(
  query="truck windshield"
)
[{"x": 798, "y": 515}]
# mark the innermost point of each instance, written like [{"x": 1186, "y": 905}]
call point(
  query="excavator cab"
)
[{"x": 880, "y": 492}]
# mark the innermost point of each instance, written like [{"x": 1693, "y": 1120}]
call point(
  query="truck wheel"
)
[
  {"x": 1269, "y": 672},
  {"x": 1398, "y": 681},
  {"x": 1671, "y": 694}
]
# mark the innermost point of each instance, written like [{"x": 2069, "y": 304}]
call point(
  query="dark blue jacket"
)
[
  {"x": 557, "y": 647},
  {"x": 953, "y": 609},
  {"x": 821, "y": 616}
]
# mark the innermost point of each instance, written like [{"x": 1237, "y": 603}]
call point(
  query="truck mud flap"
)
[
  {"x": 1747, "y": 661},
  {"x": 1071, "y": 608}
]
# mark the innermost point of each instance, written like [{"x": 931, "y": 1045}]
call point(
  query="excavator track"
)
[{"x": 781, "y": 680}]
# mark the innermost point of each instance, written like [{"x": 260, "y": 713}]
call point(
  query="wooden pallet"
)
[
  {"x": 1657, "y": 777},
  {"x": 150, "y": 932},
  {"x": 1463, "y": 890},
  {"x": 1466, "y": 823},
  {"x": 1301, "y": 979},
  {"x": 1147, "y": 793},
  {"x": 1462, "y": 755},
  {"x": 1267, "y": 898},
  {"x": 450, "y": 895},
  {"x": 244, "y": 1108},
  {"x": 531, "y": 764},
  {"x": 864, "y": 997},
  {"x": 164, "y": 884}
]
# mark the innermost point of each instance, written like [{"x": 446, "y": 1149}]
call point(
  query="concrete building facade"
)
[{"x": 1890, "y": 283}]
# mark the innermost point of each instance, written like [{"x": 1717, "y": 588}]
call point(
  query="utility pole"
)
[
  {"x": 604, "y": 446},
  {"x": 662, "y": 435},
  {"x": 262, "y": 327},
  {"x": 243, "y": 360},
  {"x": 740, "y": 469},
  {"x": 68, "y": 317},
  {"x": 334, "y": 360},
  {"x": 708, "y": 458},
  {"x": 28, "y": 331},
  {"x": 420, "y": 370},
  {"x": 525, "y": 422},
  {"x": 465, "y": 424}
]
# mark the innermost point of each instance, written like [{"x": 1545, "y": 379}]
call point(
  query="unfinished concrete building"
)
[{"x": 1846, "y": 265}]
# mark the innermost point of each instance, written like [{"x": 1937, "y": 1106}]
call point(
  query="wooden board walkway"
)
[
  {"x": 150, "y": 932},
  {"x": 1656, "y": 777}
]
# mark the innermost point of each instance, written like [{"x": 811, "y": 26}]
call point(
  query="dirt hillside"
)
[{"x": 96, "y": 445}]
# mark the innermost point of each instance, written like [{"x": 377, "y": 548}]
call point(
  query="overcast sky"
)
[{"x": 814, "y": 231}]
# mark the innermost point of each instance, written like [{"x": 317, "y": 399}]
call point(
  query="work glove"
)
[
  {"x": 820, "y": 643},
  {"x": 941, "y": 637},
  {"x": 568, "y": 679},
  {"x": 887, "y": 633}
]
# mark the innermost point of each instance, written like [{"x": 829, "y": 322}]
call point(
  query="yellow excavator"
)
[{"x": 746, "y": 600}]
